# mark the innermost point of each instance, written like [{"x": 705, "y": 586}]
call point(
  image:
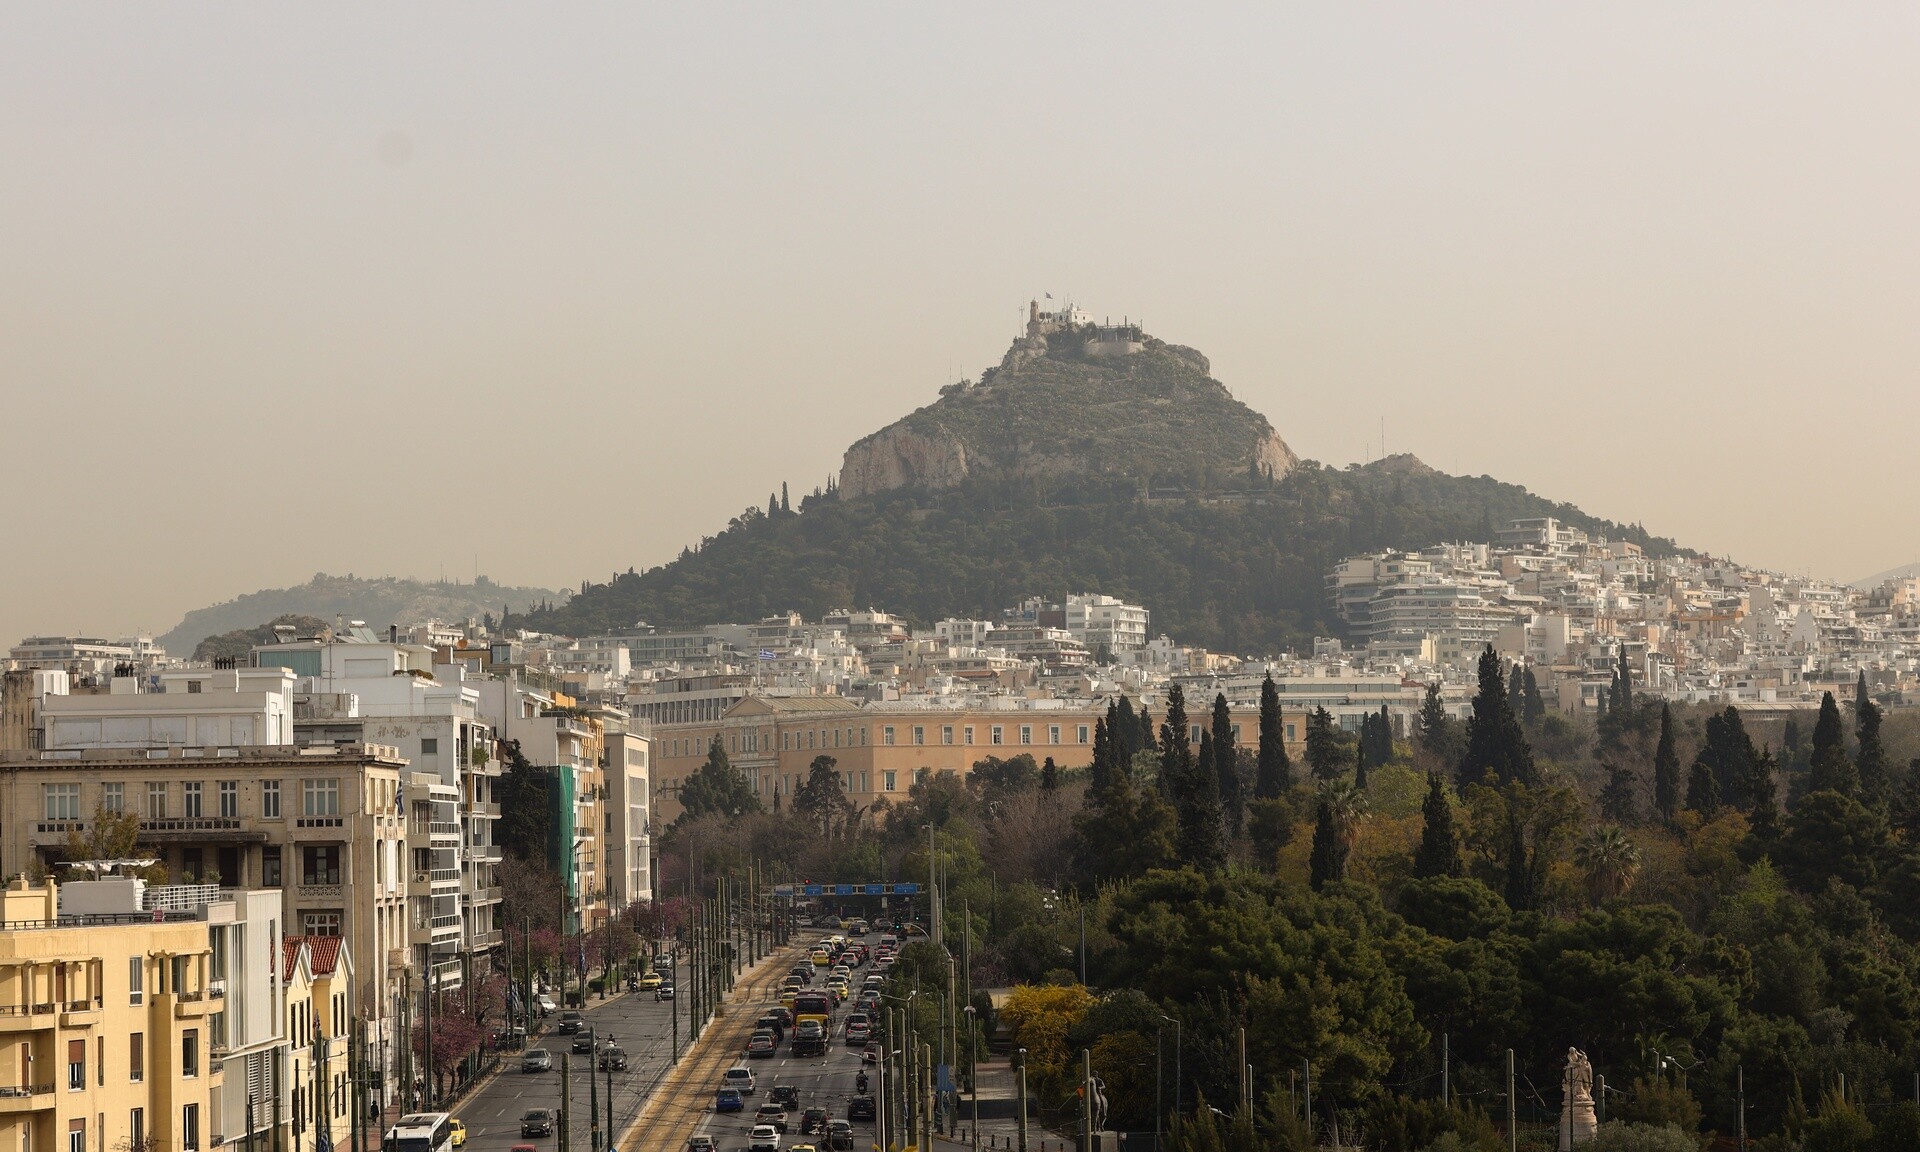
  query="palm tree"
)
[
  {"x": 1610, "y": 860},
  {"x": 1342, "y": 806}
]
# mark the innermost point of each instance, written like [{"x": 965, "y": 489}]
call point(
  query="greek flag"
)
[{"x": 767, "y": 654}]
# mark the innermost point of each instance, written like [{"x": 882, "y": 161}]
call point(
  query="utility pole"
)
[
  {"x": 1446, "y": 1070},
  {"x": 1307, "y": 1089},
  {"x": 1083, "y": 943},
  {"x": 593, "y": 1097},
  {"x": 426, "y": 1046},
  {"x": 566, "y": 1098},
  {"x": 1245, "y": 1102},
  {"x": 1513, "y": 1130},
  {"x": 1086, "y": 1100},
  {"x": 1740, "y": 1091},
  {"x": 926, "y": 1112}
]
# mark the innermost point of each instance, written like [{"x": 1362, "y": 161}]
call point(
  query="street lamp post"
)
[{"x": 973, "y": 1078}]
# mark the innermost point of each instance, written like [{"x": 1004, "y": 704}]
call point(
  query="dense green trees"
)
[
  {"x": 1275, "y": 775},
  {"x": 718, "y": 788}
]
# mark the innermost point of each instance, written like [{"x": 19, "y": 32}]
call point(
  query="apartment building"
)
[
  {"x": 323, "y": 825},
  {"x": 109, "y": 1016},
  {"x": 627, "y": 815},
  {"x": 317, "y": 975}
]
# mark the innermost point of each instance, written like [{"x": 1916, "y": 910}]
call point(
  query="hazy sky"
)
[{"x": 297, "y": 288}]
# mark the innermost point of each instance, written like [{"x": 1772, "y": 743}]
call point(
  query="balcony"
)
[
  {"x": 16, "y": 1098},
  {"x": 484, "y": 854},
  {"x": 485, "y": 809},
  {"x": 491, "y": 938},
  {"x": 318, "y": 892},
  {"x": 27, "y": 1017}
]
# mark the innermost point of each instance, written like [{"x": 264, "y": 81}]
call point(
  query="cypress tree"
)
[
  {"x": 1275, "y": 776},
  {"x": 785, "y": 506},
  {"x": 1102, "y": 758},
  {"x": 1326, "y": 756},
  {"x": 1176, "y": 745},
  {"x": 1728, "y": 754},
  {"x": 1764, "y": 823},
  {"x": 1703, "y": 791},
  {"x": 1666, "y": 769},
  {"x": 1202, "y": 836},
  {"x": 1495, "y": 743},
  {"x": 1872, "y": 761},
  {"x": 1624, "y": 701},
  {"x": 1830, "y": 770},
  {"x": 1146, "y": 731},
  {"x": 1049, "y": 776},
  {"x": 1517, "y": 683},
  {"x": 1226, "y": 767},
  {"x": 1618, "y": 802},
  {"x": 1535, "y": 707},
  {"x": 1438, "y": 734},
  {"x": 1123, "y": 732},
  {"x": 1439, "y": 851}
]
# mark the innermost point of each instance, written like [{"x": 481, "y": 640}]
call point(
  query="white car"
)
[
  {"x": 544, "y": 1005},
  {"x": 740, "y": 1079},
  {"x": 763, "y": 1138}
]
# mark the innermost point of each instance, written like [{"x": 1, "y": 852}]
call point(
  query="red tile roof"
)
[{"x": 323, "y": 954}]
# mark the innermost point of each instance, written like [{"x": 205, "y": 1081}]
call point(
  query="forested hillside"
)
[{"x": 1235, "y": 570}]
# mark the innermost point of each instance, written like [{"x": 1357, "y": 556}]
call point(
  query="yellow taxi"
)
[
  {"x": 459, "y": 1130},
  {"x": 822, "y": 957},
  {"x": 789, "y": 995},
  {"x": 650, "y": 981}
]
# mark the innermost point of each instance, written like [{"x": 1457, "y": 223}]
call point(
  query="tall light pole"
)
[
  {"x": 973, "y": 1080},
  {"x": 1176, "y": 1064}
]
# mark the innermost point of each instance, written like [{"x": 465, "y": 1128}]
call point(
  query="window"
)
[
  {"x": 1026, "y": 733},
  {"x": 137, "y": 1127},
  {"x": 156, "y": 801},
  {"x": 320, "y": 865},
  {"x": 429, "y": 746},
  {"x": 966, "y": 734},
  {"x": 270, "y": 867},
  {"x": 320, "y": 923},
  {"x": 229, "y": 799},
  {"x": 63, "y": 801},
  {"x": 886, "y": 734},
  {"x": 946, "y": 734},
  {"x": 1083, "y": 733},
  {"x": 1236, "y": 733},
  {"x": 113, "y": 797},
  {"x": 890, "y": 781},
  {"x": 919, "y": 734},
  {"x": 270, "y": 799},
  {"x": 996, "y": 735},
  {"x": 190, "y": 1052},
  {"x": 190, "y": 1127},
  {"x": 1290, "y": 733},
  {"x": 136, "y": 972},
  {"x": 76, "y": 1136},
  {"x": 76, "y": 1065},
  {"x": 191, "y": 806},
  {"x": 319, "y": 797},
  {"x": 196, "y": 687},
  {"x": 1193, "y": 733},
  {"x": 1053, "y": 734},
  {"x": 137, "y": 1057}
]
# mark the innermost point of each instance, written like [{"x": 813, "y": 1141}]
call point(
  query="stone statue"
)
[{"x": 1577, "y": 1122}]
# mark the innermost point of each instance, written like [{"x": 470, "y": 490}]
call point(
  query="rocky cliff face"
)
[{"x": 1050, "y": 409}]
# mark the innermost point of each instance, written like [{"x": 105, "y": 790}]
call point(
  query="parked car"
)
[
  {"x": 537, "y": 1122},
  {"x": 536, "y": 1060},
  {"x": 763, "y": 1139},
  {"x": 740, "y": 1078},
  {"x": 729, "y": 1100}
]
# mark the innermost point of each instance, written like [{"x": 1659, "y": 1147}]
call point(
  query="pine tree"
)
[
  {"x": 1326, "y": 752},
  {"x": 1495, "y": 743},
  {"x": 1666, "y": 769},
  {"x": 1439, "y": 732},
  {"x": 1439, "y": 851},
  {"x": 1275, "y": 776},
  {"x": 1830, "y": 770},
  {"x": 1619, "y": 799},
  {"x": 1226, "y": 766},
  {"x": 1871, "y": 763}
]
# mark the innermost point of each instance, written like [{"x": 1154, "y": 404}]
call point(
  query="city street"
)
[{"x": 636, "y": 1021}]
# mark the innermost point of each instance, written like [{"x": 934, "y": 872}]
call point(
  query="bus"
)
[
  {"x": 813, "y": 1005},
  {"x": 421, "y": 1132}
]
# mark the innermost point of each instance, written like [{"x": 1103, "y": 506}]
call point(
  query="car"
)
[
  {"x": 762, "y": 1043},
  {"x": 525, "y": 1148},
  {"x": 651, "y": 981},
  {"x": 536, "y": 1060},
  {"x": 810, "y": 1039},
  {"x": 729, "y": 1100},
  {"x": 856, "y": 927},
  {"x": 785, "y": 1095},
  {"x": 763, "y": 1138},
  {"x": 806, "y": 921},
  {"x": 802, "y": 1148},
  {"x": 771, "y": 1113},
  {"x": 773, "y": 1023},
  {"x": 459, "y": 1130},
  {"x": 861, "y": 1108},
  {"x": 740, "y": 1078},
  {"x": 571, "y": 1022},
  {"x": 821, "y": 957},
  {"x": 858, "y": 1033},
  {"x": 701, "y": 1143},
  {"x": 784, "y": 1013},
  {"x": 544, "y": 1004},
  {"x": 788, "y": 996},
  {"x": 537, "y": 1122},
  {"x": 804, "y": 971},
  {"x": 794, "y": 982},
  {"x": 664, "y": 992},
  {"x": 583, "y": 1042},
  {"x": 813, "y": 1120},
  {"x": 613, "y": 1058},
  {"x": 839, "y": 1134}
]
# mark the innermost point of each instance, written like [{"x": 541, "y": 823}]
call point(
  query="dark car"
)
[
  {"x": 839, "y": 1134},
  {"x": 785, "y": 1095},
  {"x": 774, "y": 1024},
  {"x": 583, "y": 1042},
  {"x": 729, "y": 1100},
  {"x": 664, "y": 992},
  {"x": 537, "y": 1122},
  {"x": 804, "y": 971},
  {"x": 813, "y": 1121},
  {"x": 784, "y": 1013},
  {"x": 613, "y": 1058},
  {"x": 810, "y": 1039},
  {"x": 571, "y": 1021},
  {"x": 860, "y": 1108}
]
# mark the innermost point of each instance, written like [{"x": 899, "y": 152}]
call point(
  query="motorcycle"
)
[{"x": 860, "y": 1084}]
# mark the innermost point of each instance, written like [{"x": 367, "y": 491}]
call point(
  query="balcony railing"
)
[{"x": 21, "y": 1091}]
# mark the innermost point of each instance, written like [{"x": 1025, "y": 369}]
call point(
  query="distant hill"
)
[
  {"x": 1900, "y": 573},
  {"x": 378, "y": 601},
  {"x": 1171, "y": 494}
]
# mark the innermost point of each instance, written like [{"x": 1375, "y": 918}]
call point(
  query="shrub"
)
[{"x": 1626, "y": 1136}]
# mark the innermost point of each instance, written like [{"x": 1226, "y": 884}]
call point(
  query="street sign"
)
[{"x": 869, "y": 889}]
